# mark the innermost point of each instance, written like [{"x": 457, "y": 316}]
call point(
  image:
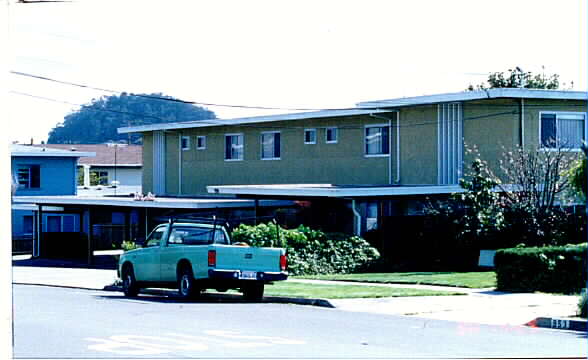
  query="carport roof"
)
[
  {"x": 159, "y": 202},
  {"x": 330, "y": 190}
]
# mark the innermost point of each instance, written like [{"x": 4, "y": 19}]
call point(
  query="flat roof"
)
[
  {"x": 331, "y": 191},
  {"x": 249, "y": 120},
  {"x": 159, "y": 202},
  {"x": 34, "y": 151},
  {"x": 516, "y": 93},
  {"x": 371, "y": 107}
]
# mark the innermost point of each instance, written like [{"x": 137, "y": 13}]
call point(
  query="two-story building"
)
[
  {"x": 41, "y": 171},
  {"x": 381, "y": 159}
]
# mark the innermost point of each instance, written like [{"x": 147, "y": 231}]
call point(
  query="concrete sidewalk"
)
[{"x": 482, "y": 306}]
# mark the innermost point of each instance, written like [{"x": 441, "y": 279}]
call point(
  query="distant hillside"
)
[{"x": 96, "y": 122}]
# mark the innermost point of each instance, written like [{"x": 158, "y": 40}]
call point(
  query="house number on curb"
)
[
  {"x": 136, "y": 345},
  {"x": 560, "y": 324}
]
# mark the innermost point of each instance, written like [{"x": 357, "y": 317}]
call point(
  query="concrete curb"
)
[
  {"x": 559, "y": 324},
  {"x": 266, "y": 299}
]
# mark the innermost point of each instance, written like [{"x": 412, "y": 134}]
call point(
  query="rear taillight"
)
[
  {"x": 212, "y": 258},
  {"x": 283, "y": 262}
]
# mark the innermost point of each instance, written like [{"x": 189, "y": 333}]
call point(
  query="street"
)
[{"x": 51, "y": 322}]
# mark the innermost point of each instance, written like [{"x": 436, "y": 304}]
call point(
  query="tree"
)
[
  {"x": 97, "y": 121},
  {"x": 577, "y": 176},
  {"x": 517, "y": 78}
]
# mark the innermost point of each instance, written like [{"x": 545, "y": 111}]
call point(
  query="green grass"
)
[
  {"x": 344, "y": 291},
  {"x": 484, "y": 279}
]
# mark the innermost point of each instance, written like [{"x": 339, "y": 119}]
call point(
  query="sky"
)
[{"x": 283, "y": 54}]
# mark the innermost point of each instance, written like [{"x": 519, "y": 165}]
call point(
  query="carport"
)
[{"x": 134, "y": 219}]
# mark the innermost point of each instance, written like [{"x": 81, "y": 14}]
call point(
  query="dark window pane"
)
[
  {"x": 277, "y": 145},
  {"x": 548, "y": 130}
]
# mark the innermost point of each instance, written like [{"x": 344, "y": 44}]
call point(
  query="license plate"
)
[{"x": 248, "y": 275}]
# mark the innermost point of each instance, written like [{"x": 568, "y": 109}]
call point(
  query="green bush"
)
[
  {"x": 555, "y": 269},
  {"x": 582, "y": 305},
  {"x": 310, "y": 252}
]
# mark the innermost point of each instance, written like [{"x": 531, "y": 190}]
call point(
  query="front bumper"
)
[{"x": 215, "y": 274}]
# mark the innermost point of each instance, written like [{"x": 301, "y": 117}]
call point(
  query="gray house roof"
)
[{"x": 372, "y": 107}]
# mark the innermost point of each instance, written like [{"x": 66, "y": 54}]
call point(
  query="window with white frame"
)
[
  {"x": 185, "y": 143},
  {"x": 331, "y": 135},
  {"x": 29, "y": 176},
  {"x": 234, "y": 147},
  {"x": 562, "y": 130},
  {"x": 270, "y": 145},
  {"x": 201, "y": 142},
  {"x": 377, "y": 140},
  {"x": 310, "y": 136}
]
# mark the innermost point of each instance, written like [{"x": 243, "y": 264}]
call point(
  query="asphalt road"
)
[{"x": 70, "y": 323}]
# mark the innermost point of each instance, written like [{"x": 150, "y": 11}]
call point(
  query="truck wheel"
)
[
  {"x": 187, "y": 285},
  {"x": 130, "y": 287},
  {"x": 253, "y": 291}
]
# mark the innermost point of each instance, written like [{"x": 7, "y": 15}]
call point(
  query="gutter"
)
[{"x": 357, "y": 218}]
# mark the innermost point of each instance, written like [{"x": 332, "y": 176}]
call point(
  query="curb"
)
[
  {"x": 266, "y": 299},
  {"x": 559, "y": 324}
]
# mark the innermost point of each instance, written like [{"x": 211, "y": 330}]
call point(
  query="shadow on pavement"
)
[
  {"x": 170, "y": 297},
  {"x": 99, "y": 262}
]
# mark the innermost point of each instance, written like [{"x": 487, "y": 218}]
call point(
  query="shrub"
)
[
  {"x": 582, "y": 305},
  {"x": 310, "y": 252},
  {"x": 557, "y": 269}
]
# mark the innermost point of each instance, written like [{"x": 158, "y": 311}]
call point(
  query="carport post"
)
[
  {"x": 255, "y": 206},
  {"x": 89, "y": 240},
  {"x": 37, "y": 244}
]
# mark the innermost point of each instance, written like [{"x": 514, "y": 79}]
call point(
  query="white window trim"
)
[
  {"x": 261, "y": 145},
  {"x": 315, "y": 136},
  {"x": 336, "y": 136},
  {"x": 556, "y": 113},
  {"x": 365, "y": 154},
  {"x": 225, "y": 147},
  {"x": 187, "y": 138},
  {"x": 203, "y": 147}
]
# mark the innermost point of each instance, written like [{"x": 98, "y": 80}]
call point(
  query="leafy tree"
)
[
  {"x": 97, "y": 121},
  {"x": 517, "y": 78},
  {"x": 578, "y": 178}
]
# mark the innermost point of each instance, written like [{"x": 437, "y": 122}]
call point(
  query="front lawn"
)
[
  {"x": 474, "y": 280},
  {"x": 344, "y": 291}
]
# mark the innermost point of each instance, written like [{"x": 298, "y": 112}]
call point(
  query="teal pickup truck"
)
[{"x": 193, "y": 257}]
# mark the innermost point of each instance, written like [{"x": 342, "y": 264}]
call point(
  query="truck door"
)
[{"x": 147, "y": 266}]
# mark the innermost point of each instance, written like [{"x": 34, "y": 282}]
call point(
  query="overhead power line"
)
[{"x": 200, "y": 103}]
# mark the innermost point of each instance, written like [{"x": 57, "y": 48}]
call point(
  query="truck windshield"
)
[{"x": 196, "y": 236}]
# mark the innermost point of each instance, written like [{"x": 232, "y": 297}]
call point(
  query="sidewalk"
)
[{"x": 482, "y": 306}]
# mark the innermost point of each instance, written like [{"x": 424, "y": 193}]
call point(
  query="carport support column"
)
[
  {"x": 255, "y": 208},
  {"x": 89, "y": 239},
  {"x": 37, "y": 239}
]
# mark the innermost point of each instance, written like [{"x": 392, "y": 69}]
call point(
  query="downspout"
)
[
  {"x": 522, "y": 122},
  {"x": 180, "y": 164},
  {"x": 357, "y": 217}
]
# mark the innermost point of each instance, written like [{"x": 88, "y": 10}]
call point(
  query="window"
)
[
  {"x": 201, "y": 142},
  {"x": 196, "y": 236},
  {"x": 562, "y": 130},
  {"x": 331, "y": 135},
  {"x": 185, "y": 143},
  {"x": 310, "y": 136},
  {"x": 377, "y": 140},
  {"x": 270, "y": 146},
  {"x": 155, "y": 237},
  {"x": 27, "y": 225},
  {"x": 234, "y": 147},
  {"x": 29, "y": 176},
  {"x": 98, "y": 177}
]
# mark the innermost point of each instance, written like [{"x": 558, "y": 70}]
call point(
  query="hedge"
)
[{"x": 554, "y": 269}]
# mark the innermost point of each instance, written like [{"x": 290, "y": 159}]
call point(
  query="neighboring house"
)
[
  {"x": 118, "y": 163},
  {"x": 41, "y": 171},
  {"x": 383, "y": 158}
]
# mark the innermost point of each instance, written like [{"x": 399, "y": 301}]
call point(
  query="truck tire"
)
[
  {"x": 129, "y": 283},
  {"x": 253, "y": 291},
  {"x": 187, "y": 288}
]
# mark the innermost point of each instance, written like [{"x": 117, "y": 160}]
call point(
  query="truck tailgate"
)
[{"x": 247, "y": 258}]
